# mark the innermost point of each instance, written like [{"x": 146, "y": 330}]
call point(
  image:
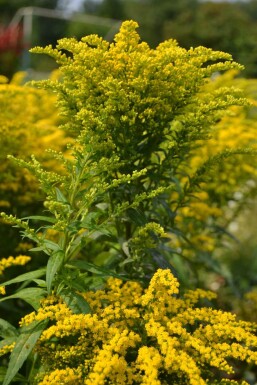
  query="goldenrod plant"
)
[
  {"x": 137, "y": 116},
  {"x": 29, "y": 121},
  {"x": 230, "y": 185},
  {"x": 28, "y": 124},
  {"x": 137, "y": 336}
]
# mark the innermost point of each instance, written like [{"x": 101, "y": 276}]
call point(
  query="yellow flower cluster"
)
[
  {"x": 6, "y": 349},
  {"x": 135, "y": 95},
  {"x": 51, "y": 308},
  {"x": 2, "y": 290},
  {"x": 141, "y": 336},
  {"x": 66, "y": 376},
  {"x": 11, "y": 261}
]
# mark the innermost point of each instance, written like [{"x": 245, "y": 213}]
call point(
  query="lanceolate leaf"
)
[
  {"x": 51, "y": 245},
  {"x": 26, "y": 277},
  {"x": 162, "y": 262},
  {"x": 53, "y": 266},
  {"x": 23, "y": 347},
  {"x": 96, "y": 269},
  {"x": 75, "y": 302},
  {"x": 41, "y": 218},
  {"x": 59, "y": 196},
  {"x": 32, "y": 295},
  {"x": 47, "y": 246},
  {"x": 137, "y": 216}
]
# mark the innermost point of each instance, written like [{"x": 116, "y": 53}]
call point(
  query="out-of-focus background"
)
[{"x": 229, "y": 26}]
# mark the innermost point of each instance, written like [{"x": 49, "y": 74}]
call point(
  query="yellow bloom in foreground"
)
[
  {"x": 139, "y": 336},
  {"x": 64, "y": 376}
]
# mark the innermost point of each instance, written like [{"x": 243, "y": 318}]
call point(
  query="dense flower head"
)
[
  {"x": 12, "y": 261},
  {"x": 124, "y": 92},
  {"x": 140, "y": 336}
]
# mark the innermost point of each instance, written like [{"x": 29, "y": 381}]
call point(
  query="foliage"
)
[
  {"x": 225, "y": 26},
  {"x": 221, "y": 26},
  {"x": 139, "y": 117},
  {"x": 112, "y": 8},
  {"x": 8, "y": 8}
]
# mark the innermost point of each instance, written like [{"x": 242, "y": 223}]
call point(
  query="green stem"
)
[{"x": 75, "y": 187}]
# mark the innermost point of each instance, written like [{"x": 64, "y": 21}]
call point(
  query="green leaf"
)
[
  {"x": 162, "y": 262},
  {"x": 54, "y": 264},
  {"x": 40, "y": 282},
  {"x": 23, "y": 347},
  {"x": 99, "y": 233},
  {"x": 41, "y": 218},
  {"x": 7, "y": 329},
  {"x": 26, "y": 277},
  {"x": 32, "y": 295},
  {"x": 59, "y": 196},
  {"x": 75, "y": 302},
  {"x": 137, "y": 216},
  {"x": 39, "y": 248},
  {"x": 18, "y": 377},
  {"x": 51, "y": 245},
  {"x": 95, "y": 269},
  {"x": 47, "y": 245},
  {"x": 90, "y": 219},
  {"x": 73, "y": 279}
]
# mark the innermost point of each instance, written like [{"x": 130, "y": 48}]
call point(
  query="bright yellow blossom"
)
[
  {"x": 2, "y": 290},
  {"x": 139, "y": 336},
  {"x": 11, "y": 261}
]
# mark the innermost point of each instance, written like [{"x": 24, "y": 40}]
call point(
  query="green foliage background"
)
[{"x": 224, "y": 26}]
